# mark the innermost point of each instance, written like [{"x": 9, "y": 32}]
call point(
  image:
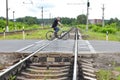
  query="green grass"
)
[
  {"x": 37, "y": 34},
  {"x": 101, "y": 36},
  {"x": 103, "y": 75},
  {"x": 117, "y": 68},
  {"x": 40, "y": 34},
  {"x": 108, "y": 75}
]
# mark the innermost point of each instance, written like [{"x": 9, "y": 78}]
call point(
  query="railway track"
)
[
  {"x": 86, "y": 70},
  {"x": 52, "y": 66},
  {"x": 48, "y": 68}
]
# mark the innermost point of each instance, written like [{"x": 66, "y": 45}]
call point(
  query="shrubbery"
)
[
  {"x": 97, "y": 28},
  {"x": 16, "y": 26},
  {"x": 94, "y": 28},
  {"x": 2, "y": 25},
  {"x": 81, "y": 26},
  {"x": 110, "y": 28}
]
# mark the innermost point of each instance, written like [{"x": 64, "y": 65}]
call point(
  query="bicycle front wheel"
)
[{"x": 50, "y": 35}]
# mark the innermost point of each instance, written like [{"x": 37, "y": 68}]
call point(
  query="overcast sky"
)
[{"x": 62, "y": 8}]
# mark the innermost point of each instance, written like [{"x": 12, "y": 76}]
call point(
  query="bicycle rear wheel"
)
[{"x": 50, "y": 35}]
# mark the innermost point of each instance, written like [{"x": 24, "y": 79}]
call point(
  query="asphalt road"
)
[
  {"x": 14, "y": 45},
  {"x": 84, "y": 46}
]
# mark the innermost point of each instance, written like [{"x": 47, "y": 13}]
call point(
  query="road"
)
[{"x": 84, "y": 46}]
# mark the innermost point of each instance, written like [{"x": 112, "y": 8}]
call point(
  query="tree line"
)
[{"x": 28, "y": 20}]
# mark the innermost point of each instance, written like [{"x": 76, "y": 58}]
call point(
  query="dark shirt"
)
[{"x": 55, "y": 23}]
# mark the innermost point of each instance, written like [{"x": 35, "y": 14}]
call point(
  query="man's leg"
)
[{"x": 56, "y": 31}]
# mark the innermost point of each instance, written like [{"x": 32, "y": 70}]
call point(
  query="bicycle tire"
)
[
  {"x": 50, "y": 35},
  {"x": 65, "y": 35}
]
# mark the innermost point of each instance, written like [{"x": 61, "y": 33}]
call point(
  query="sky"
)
[{"x": 61, "y": 8}]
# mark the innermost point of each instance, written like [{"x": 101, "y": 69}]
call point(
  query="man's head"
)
[{"x": 58, "y": 18}]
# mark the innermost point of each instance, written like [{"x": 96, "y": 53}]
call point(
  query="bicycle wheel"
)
[
  {"x": 50, "y": 35},
  {"x": 65, "y": 35}
]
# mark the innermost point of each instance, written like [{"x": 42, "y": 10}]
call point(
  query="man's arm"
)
[{"x": 60, "y": 23}]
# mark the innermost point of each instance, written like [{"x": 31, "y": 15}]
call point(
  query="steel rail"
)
[
  {"x": 15, "y": 68},
  {"x": 75, "y": 56}
]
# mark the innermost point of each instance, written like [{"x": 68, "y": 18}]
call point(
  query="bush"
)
[
  {"x": 2, "y": 24},
  {"x": 110, "y": 30},
  {"x": 95, "y": 28},
  {"x": 81, "y": 26}
]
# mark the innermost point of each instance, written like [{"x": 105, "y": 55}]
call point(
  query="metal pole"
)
[
  {"x": 7, "y": 28},
  {"x": 88, "y": 4},
  {"x": 42, "y": 16},
  {"x": 103, "y": 24}
]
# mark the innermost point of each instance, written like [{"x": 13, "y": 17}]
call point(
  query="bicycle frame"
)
[{"x": 50, "y": 35}]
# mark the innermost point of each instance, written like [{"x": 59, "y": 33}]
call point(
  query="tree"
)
[
  {"x": 68, "y": 21},
  {"x": 113, "y": 21},
  {"x": 81, "y": 19},
  {"x": 28, "y": 20},
  {"x": 2, "y": 23}
]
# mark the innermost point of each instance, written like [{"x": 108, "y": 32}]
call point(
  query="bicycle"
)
[{"x": 62, "y": 34}]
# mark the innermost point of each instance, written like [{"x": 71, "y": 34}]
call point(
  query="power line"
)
[{"x": 31, "y": 2}]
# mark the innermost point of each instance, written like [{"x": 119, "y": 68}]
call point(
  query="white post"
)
[
  {"x": 106, "y": 35},
  {"x": 4, "y": 33},
  {"x": 23, "y": 32}
]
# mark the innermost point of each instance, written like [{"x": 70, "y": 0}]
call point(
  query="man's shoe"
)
[{"x": 56, "y": 35}]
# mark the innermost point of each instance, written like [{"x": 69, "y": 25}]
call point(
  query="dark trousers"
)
[{"x": 56, "y": 29}]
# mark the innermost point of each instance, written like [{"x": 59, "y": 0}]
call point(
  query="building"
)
[{"x": 95, "y": 21}]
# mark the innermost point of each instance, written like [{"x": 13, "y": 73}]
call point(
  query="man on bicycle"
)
[{"x": 55, "y": 25}]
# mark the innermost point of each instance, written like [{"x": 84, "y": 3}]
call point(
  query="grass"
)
[
  {"x": 117, "y": 68},
  {"x": 108, "y": 74},
  {"x": 103, "y": 75},
  {"x": 101, "y": 36},
  {"x": 37, "y": 34}
]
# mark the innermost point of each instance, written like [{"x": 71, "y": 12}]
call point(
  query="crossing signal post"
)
[
  {"x": 87, "y": 22},
  {"x": 88, "y": 4}
]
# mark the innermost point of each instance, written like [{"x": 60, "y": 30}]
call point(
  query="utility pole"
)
[
  {"x": 7, "y": 28},
  {"x": 103, "y": 23},
  {"x": 49, "y": 18},
  {"x": 87, "y": 22},
  {"x": 42, "y": 15},
  {"x": 49, "y": 15}
]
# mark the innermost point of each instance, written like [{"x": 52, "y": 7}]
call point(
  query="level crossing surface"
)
[{"x": 84, "y": 46}]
